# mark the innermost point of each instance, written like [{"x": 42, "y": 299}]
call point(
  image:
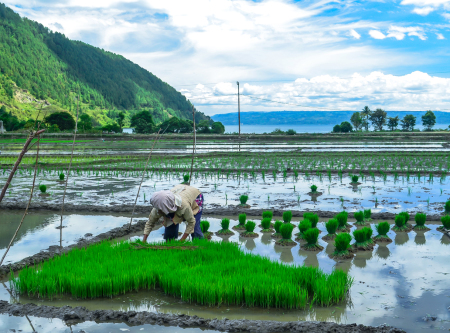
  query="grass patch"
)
[
  {"x": 420, "y": 219},
  {"x": 400, "y": 223},
  {"x": 331, "y": 226},
  {"x": 241, "y": 226},
  {"x": 382, "y": 229},
  {"x": 249, "y": 230},
  {"x": 312, "y": 236},
  {"x": 342, "y": 219},
  {"x": 225, "y": 231},
  {"x": 342, "y": 245},
  {"x": 359, "y": 217},
  {"x": 229, "y": 276}
]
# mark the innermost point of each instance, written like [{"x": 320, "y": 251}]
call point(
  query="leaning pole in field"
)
[{"x": 193, "y": 146}]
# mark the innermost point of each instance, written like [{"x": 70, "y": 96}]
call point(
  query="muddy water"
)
[
  {"x": 404, "y": 284},
  {"x": 38, "y": 231},
  {"x": 381, "y": 195}
]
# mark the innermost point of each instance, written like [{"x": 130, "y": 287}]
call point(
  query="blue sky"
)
[{"x": 305, "y": 55}]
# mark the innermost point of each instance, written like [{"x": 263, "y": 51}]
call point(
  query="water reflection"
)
[
  {"x": 361, "y": 258},
  {"x": 310, "y": 258},
  {"x": 401, "y": 238},
  {"x": 445, "y": 240},
  {"x": 266, "y": 239},
  {"x": 285, "y": 253},
  {"x": 383, "y": 251},
  {"x": 420, "y": 238}
]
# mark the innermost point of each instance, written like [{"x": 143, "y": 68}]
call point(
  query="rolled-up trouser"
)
[{"x": 171, "y": 232}]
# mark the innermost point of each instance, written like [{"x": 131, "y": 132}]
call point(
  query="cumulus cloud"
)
[
  {"x": 440, "y": 36},
  {"x": 415, "y": 91},
  {"x": 424, "y": 7},
  {"x": 399, "y": 33},
  {"x": 377, "y": 34},
  {"x": 354, "y": 34}
]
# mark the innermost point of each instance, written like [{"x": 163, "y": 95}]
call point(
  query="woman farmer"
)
[{"x": 182, "y": 203}]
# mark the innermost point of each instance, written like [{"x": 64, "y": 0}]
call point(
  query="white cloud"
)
[
  {"x": 446, "y": 16},
  {"x": 377, "y": 34},
  {"x": 424, "y": 7},
  {"x": 440, "y": 36},
  {"x": 423, "y": 10},
  {"x": 354, "y": 34}
]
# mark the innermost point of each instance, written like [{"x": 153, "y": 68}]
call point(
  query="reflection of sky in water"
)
[
  {"x": 392, "y": 195},
  {"x": 397, "y": 283}
]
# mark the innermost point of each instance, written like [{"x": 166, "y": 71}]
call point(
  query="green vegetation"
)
[
  {"x": 286, "y": 234},
  {"x": 249, "y": 230},
  {"x": 445, "y": 222},
  {"x": 242, "y": 219},
  {"x": 277, "y": 226},
  {"x": 342, "y": 218},
  {"x": 331, "y": 227},
  {"x": 287, "y": 216},
  {"x": 360, "y": 239},
  {"x": 382, "y": 229},
  {"x": 43, "y": 188},
  {"x": 303, "y": 226},
  {"x": 367, "y": 215},
  {"x": 420, "y": 219},
  {"x": 229, "y": 276},
  {"x": 342, "y": 245},
  {"x": 225, "y": 224},
  {"x": 355, "y": 179},
  {"x": 313, "y": 188},
  {"x": 359, "y": 216},
  {"x": 267, "y": 215},
  {"x": 243, "y": 199},
  {"x": 265, "y": 222},
  {"x": 400, "y": 224},
  {"x": 311, "y": 217},
  {"x": 406, "y": 217},
  {"x": 368, "y": 232},
  {"x": 63, "y": 120},
  {"x": 447, "y": 206},
  {"x": 312, "y": 236},
  {"x": 61, "y": 176}
]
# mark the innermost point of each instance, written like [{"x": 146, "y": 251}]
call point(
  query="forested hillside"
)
[{"x": 38, "y": 66}]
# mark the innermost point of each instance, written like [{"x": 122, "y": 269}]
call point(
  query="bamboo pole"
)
[
  {"x": 193, "y": 147},
  {"x": 68, "y": 173},
  {"x": 143, "y": 174}
]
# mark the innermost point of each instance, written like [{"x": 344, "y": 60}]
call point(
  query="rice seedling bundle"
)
[
  {"x": 243, "y": 199},
  {"x": 204, "y": 226},
  {"x": 43, "y": 188},
  {"x": 267, "y": 214},
  {"x": 61, "y": 176},
  {"x": 331, "y": 227},
  {"x": 367, "y": 214},
  {"x": 312, "y": 236},
  {"x": 286, "y": 234},
  {"x": 287, "y": 216},
  {"x": 359, "y": 217},
  {"x": 229, "y": 276},
  {"x": 225, "y": 223},
  {"x": 303, "y": 226},
  {"x": 400, "y": 223},
  {"x": 382, "y": 229},
  {"x": 405, "y": 216},
  {"x": 312, "y": 217},
  {"x": 249, "y": 227},
  {"x": 355, "y": 179},
  {"x": 360, "y": 239},
  {"x": 368, "y": 232},
  {"x": 342, "y": 218},
  {"x": 447, "y": 206},
  {"x": 313, "y": 188},
  {"x": 277, "y": 226},
  {"x": 445, "y": 223},
  {"x": 242, "y": 219},
  {"x": 420, "y": 219},
  {"x": 265, "y": 223},
  {"x": 342, "y": 245}
]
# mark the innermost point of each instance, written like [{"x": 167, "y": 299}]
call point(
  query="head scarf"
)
[{"x": 166, "y": 201}]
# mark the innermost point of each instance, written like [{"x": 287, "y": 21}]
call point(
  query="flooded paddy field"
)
[{"x": 403, "y": 284}]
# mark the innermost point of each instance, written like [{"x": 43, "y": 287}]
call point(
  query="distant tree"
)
[
  {"x": 356, "y": 120},
  {"x": 428, "y": 120},
  {"x": 121, "y": 118},
  {"x": 203, "y": 127},
  {"x": 378, "y": 119},
  {"x": 53, "y": 129},
  {"x": 85, "y": 122},
  {"x": 142, "y": 122},
  {"x": 29, "y": 124},
  {"x": 365, "y": 114},
  {"x": 218, "y": 128},
  {"x": 393, "y": 123},
  {"x": 176, "y": 125},
  {"x": 64, "y": 120},
  {"x": 346, "y": 127},
  {"x": 112, "y": 127},
  {"x": 291, "y": 132},
  {"x": 337, "y": 129},
  {"x": 408, "y": 122}
]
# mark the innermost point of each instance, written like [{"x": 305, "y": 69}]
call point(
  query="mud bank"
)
[
  {"x": 211, "y": 210},
  {"x": 137, "y": 226},
  {"x": 81, "y": 314}
]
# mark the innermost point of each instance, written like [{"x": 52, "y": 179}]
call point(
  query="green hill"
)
[{"x": 41, "y": 67}]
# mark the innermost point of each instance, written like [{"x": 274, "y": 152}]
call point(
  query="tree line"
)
[{"x": 379, "y": 119}]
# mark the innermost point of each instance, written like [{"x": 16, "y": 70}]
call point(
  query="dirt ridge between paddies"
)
[{"x": 133, "y": 318}]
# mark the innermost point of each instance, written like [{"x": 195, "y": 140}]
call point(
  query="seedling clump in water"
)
[
  {"x": 360, "y": 240},
  {"x": 359, "y": 217},
  {"x": 447, "y": 206},
  {"x": 342, "y": 245},
  {"x": 186, "y": 179},
  {"x": 250, "y": 227},
  {"x": 382, "y": 229},
  {"x": 277, "y": 225},
  {"x": 303, "y": 226},
  {"x": 367, "y": 215},
  {"x": 61, "y": 176},
  {"x": 243, "y": 199},
  {"x": 406, "y": 217},
  {"x": 420, "y": 219},
  {"x": 286, "y": 233},
  {"x": 287, "y": 216},
  {"x": 225, "y": 231},
  {"x": 43, "y": 188},
  {"x": 204, "y": 225},
  {"x": 355, "y": 179},
  {"x": 342, "y": 218},
  {"x": 265, "y": 224},
  {"x": 445, "y": 223},
  {"x": 331, "y": 226},
  {"x": 311, "y": 236},
  {"x": 313, "y": 218},
  {"x": 400, "y": 224},
  {"x": 313, "y": 188},
  {"x": 241, "y": 226}
]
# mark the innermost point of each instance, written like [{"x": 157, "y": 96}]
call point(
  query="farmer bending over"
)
[{"x": 182, "y": 203}]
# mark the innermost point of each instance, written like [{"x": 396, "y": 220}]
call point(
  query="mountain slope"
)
[{"x": 50, "y": 67}]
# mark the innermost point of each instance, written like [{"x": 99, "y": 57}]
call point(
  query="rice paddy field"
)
[{"x": 402, "y": 283}]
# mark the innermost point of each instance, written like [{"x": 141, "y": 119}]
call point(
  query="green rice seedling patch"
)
[
  {"x": 360, "y": 240},
  {"x": 312, "y": 217},
  {"x": 139, "y": 245},
  {"x": 406, "y": 217},
  {"x": 243, "y": 201},
  {"x": 266, "y": 225},
  {"x": 287, "y": 216},
  {"x": 331, "y": 227},
  {"x": 242, "y": 218},
  {"x": 382, "y": 229},
  {"x": 286, "y": 234},
  {"x": 229, "y": 276},
  {"x": 420, "y": 219},
  {"x": 367, "y": 215},
  {"x": 447, "y": 206},
  {"x": 277, "y": 226},
  {"x": 225, "y": 231},
  {"x": 359, "y": 217},
  {"x": 342, "y": 219},
  {"x": 249, "y": 230},
  {"x": 303, "y": 226},
  {"x": 204, "y": 225},
  {"x": 311, "y": 236},
  {"x": 342, "y": 245},
  {"x": 400, "y": 224},
  {"x": 445, "y": 224}
]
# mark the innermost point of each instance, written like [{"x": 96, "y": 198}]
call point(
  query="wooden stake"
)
[{"x": 193, "y": 146}]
